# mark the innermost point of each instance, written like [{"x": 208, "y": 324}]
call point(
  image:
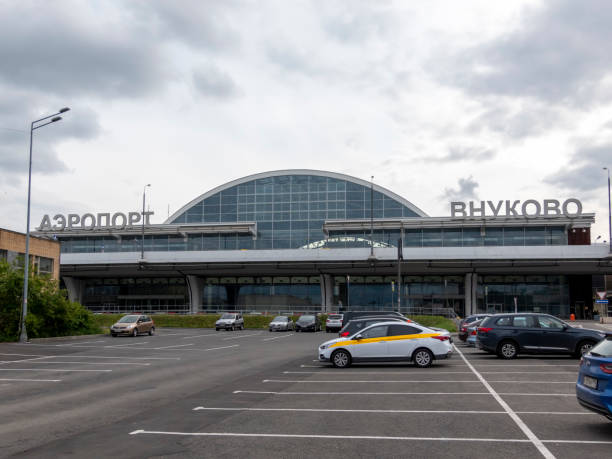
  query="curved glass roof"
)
[{"x": 291, "y": 206}]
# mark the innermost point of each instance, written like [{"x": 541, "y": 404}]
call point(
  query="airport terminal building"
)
[{"x": 306, "y": 240}]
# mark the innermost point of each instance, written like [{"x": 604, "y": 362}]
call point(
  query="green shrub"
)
[{"x": 50, "y": 313}]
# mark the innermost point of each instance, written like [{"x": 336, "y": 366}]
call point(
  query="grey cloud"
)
[
  {"x": 351, "y": 21},
  {"x": 213, "y": 82},
  {"x": 584, "y": 172},
  {"x": 197, "y": 23},
  {"x": 461, "y": 153},
  {"x": 559, "y": 55},
  {"x": 527, "y": 120},
  {"x": 53, "y": 53},
  {"x": 16, "y": 113},
  {"x": 466, "y": 189}
]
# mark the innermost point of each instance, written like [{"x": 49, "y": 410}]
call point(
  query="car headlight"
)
[{"x": 324, "y": 346}]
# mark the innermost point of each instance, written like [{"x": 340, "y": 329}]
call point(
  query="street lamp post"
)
[
  {"x": 144, "y": 190},
  {"x": 372, "y": 217},
  {"x": 609, "y": 212},
  {"x": 23, "y": 335}
]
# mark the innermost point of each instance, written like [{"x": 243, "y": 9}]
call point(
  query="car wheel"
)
[
  {"x": 341, "y": 359},
  {"x": 135, "y": 332},
  {"x": 507, "y": 350},
  {"x": 422, "y": 358},
  {"x": 216, "y": 329},
  {"x": 583, "y": 347},
  {"x": 152, "y": 331},
  {"x": 114, "y": 335}
]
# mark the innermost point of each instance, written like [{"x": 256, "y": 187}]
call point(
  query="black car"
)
[
  {"x": 508, "y": 335},
  {"x": 353, "y": 326},
  {"x": 351, "y": 315},
  {"x": 467, "y": 322},
  {"x": 308, "y": 322}
]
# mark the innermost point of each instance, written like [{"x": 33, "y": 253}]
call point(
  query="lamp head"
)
[
  {"x": 64, "y": 110},
  {"x": 57, "y": 118}
]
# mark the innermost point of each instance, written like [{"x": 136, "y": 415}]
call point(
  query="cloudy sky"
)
[{"x": 439, "y": 100}]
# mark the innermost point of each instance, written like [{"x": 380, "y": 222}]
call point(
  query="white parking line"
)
[
  {"x": 526, "y": 430},
  {"x": 408, "y": 372},
  {"x": 176, "y": 345},
  {"x": 50, "y": 369},
  {"x": 445, "y": 381},
  {"x": 223, "y": 347},
  {"x": 278, "y": 337},
  {"x": 96, "y": 357},
  {"x": 198, "y": 336},
  {"x": 364, "y": 437},
  {"x": 30, "y": 380},
  {"x": 126, "y": 345},
  {"x": 357, "y": 393},
  {"x": 83, "y": 342},
  {"x": 94, "y": 363},
  {"x": 380, "y": 373},
  {"x": 522, "y": 394},
  {"x": 328, "y": 410},
  {"x": 241, "y": 336},
  {"x": 346, "y": 381},
  {"x": 27, "y": 360}
]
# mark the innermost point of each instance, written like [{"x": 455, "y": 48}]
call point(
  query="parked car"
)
[
  {"x": 353, "y": 326},
  {"x": 333, "y": 322},
  {"x": 468, "y": 321},
  {"x": 133, "y": 325},
  {"x": 350, "y": 315},
  {"x": 308, "y": 322},
  {"x": 472, "y": 332},
  {"x": 281, "y": 323},
  {"x": 508, "y": 335},
  {"x": 594, "y": 385},
  {"x": 230, "y": 321},
  {"x": 387, "y": 341}
]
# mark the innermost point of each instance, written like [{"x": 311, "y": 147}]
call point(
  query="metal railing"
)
[{"x": 263, "y": 309}]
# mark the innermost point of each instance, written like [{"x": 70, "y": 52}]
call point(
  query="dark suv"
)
[{"x": 508, "y": 335}]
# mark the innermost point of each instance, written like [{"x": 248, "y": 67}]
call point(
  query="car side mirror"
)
[
  {"x": 358, "y": 337},
  {"x": 565, "y": 327}
]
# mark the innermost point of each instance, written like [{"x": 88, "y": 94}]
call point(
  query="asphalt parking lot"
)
[{"x": 201, "y": 393}]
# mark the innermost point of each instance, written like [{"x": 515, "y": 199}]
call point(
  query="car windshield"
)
[
  {"x": 129, "y": 319},
  {"x": 280, "y": 319},
  {"x": 306, "y": 319},
  {"x": 228, "y": 316},
  {"x": 603, "y": 349}
]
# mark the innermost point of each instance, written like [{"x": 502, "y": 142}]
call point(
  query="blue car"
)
[{"x": 594, "y": 386}]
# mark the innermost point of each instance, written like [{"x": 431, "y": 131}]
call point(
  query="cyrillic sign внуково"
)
[{"x": 570, "y": 208}]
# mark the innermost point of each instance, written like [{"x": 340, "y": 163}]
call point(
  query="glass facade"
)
[
  {"x": 548, "y": 294},
  {"x": 265, "y": 292},
  {"x": 290, "y": 209},
  {"x": 146, "y": 294},
  {"x": 485, "y": 236},
  {"x": 420, "y": 294}
]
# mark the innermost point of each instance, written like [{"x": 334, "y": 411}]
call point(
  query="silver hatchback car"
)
[{"x": 281, "y": 323}]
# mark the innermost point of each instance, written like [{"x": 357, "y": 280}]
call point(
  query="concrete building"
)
[
  {"x": 304, "y": 240},
  {"x": 44, "y": 252}
]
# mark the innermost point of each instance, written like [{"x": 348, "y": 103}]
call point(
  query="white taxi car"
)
[{"x": 388, "y": 341}]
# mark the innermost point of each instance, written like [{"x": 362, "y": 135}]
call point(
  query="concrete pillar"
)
[
  {"x": 195, "y": 284},
  {"x": 474, "y": 296},
  {"x": 327, "y": 292},
  {"x": 75, "y": 288}
]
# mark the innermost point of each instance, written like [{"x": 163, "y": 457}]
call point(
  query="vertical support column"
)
[
  {"x": 327, "y": 293},
  {"x": 468, "y": 294},
  {"x": 196, "y": 286},
  {"x": 474, "y": 307},
  {"x": 75, "y": 288}
]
